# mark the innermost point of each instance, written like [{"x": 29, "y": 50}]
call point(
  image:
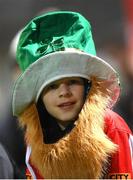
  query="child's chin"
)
[{"x": 67, "y": 119}]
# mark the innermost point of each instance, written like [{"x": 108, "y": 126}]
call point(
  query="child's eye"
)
[
  {"x": 53, "y": 86},
  {"x": 75, "y": 81}
]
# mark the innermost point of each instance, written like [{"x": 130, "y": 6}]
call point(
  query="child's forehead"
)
[{"x": 65, "y": 79}]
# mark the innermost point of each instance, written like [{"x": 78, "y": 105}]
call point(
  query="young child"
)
[{"x": 64, "y": 99}]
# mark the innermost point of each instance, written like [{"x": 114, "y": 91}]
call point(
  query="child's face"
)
[{"x": 64, "y": 98}]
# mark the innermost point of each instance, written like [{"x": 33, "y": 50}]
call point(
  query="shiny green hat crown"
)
[{"x": 51, "y": 32}]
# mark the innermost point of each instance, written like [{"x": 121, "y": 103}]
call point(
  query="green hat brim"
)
[{"x": 55, "y": 66}]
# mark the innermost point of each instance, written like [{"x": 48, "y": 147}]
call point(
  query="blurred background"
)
[{"x": 112, "y": 27}]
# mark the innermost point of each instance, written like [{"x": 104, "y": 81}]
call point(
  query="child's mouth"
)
[{"x": 66, "y": 105}]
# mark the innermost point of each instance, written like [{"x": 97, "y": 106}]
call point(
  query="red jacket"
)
[{"x": 121, "y": 163}]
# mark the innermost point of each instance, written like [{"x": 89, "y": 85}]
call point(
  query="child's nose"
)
[{"x": 64, "y": 90}]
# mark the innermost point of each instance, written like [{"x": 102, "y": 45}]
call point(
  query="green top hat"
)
[
  {"x": 52, "y": 46},
  {"x": 53, "y": 32}
]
